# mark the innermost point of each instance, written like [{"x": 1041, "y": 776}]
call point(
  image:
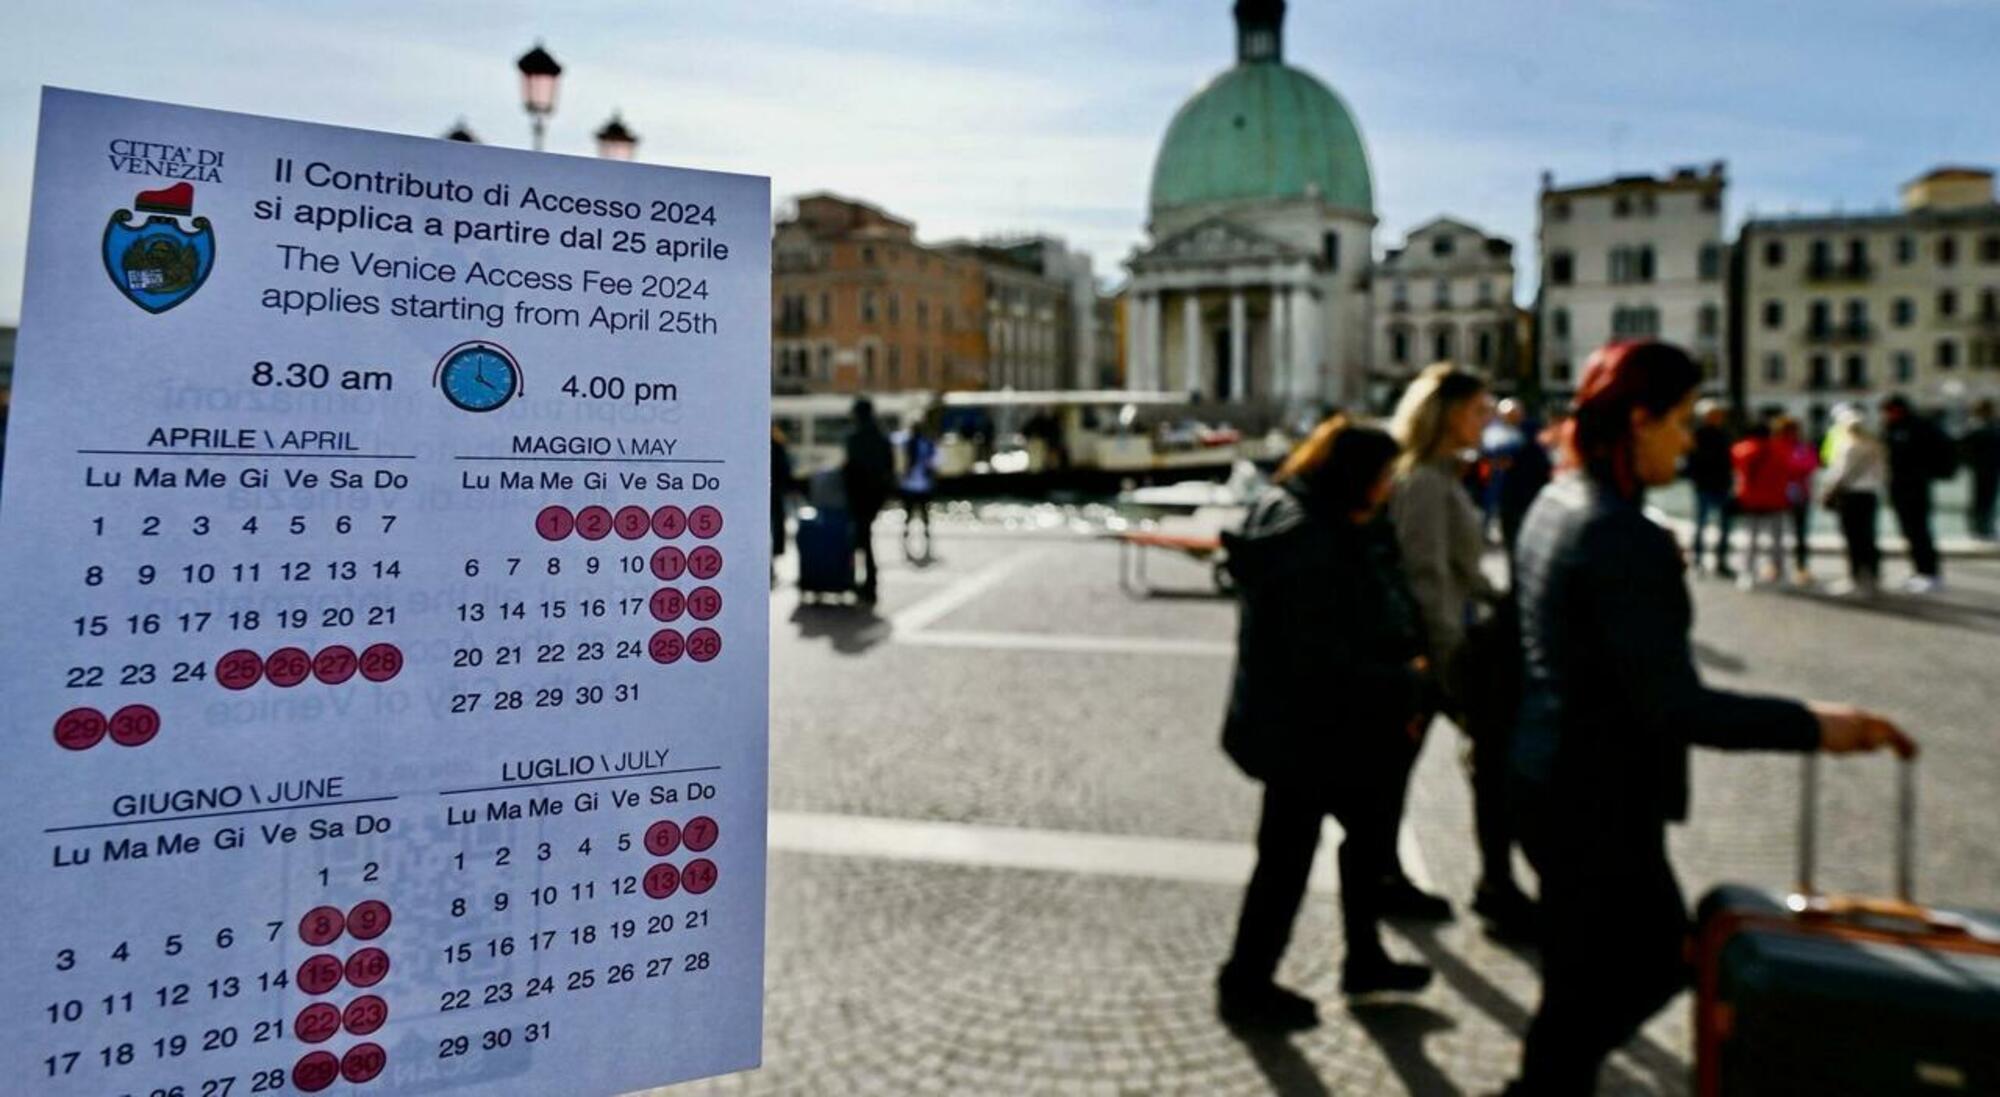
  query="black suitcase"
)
[
  {"x": 826, "y": 553},
  {"x": 1842, "y": 995}
]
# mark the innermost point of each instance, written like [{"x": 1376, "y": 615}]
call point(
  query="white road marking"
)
[
  {"x": 1187, "y": 860},
  {"x": 914, "y": 617}
]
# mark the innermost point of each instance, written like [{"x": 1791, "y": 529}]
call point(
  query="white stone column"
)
[
  {"x": 1280, "y": 333},
  {"x": 1191, "y": 342},
  {"x": 1154, "y": 343},
  {"x": 1306, "y": 343},
  {"x": 1239, "y": 345},
  {"x": 1135, "y": 339}
]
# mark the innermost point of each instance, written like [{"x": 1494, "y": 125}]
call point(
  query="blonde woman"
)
[{"x": 1438, "y": 422}]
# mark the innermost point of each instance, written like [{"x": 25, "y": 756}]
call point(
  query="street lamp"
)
[
  {"x": 615, "y": 142},
  {"x": 461, "y": 132},
  {"x": 538, "y": 87}
]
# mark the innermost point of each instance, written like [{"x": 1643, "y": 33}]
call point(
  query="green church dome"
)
[{"x": 1263, "y": 130}]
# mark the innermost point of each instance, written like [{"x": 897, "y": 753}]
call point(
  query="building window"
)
[
  {"x": 1906, "y": 367},
  {"x": 868, "y": 255},
  {"x": 1774, "y": 369},
  {"x": 1330, "y": 250},
  {"x": 1947, "y": 303},
  {"x": 1443, "y": 245},
  {"x": 1820, "y": 319},
  {"x": 1399, "y": 346},
  {"x": 1711, "y": 199},
  {"x": 868, "y": 365},
  {"x": 1857, "y": 371},
  {"x": 1647, "y": 205},
  {"x": 1621, "y": 206},
  {"x": 1636, "y": 322},
  {"x": 895, "y": 367},
  {"x": 1947, "y": 354},
  {"x": 1559, "y": 210},
  {"x": 1774, "y": 314},
  {"x": 1559, "y": 371},
  {"x": 1906, "y": 250},
  {"x": 1857, "y": 255},
  {"x": 1904, "y": 312},
  {"x": 825, "y": 309},
  {"x": 1485, "y": 292},
  {"x": 825, "y": 363},
  {"x": 1441, "y": 344},
  {"x": 1562, "y": 268},
  {"x": 1989, "y": 248},
  {"x": 1820, "y": 373},
  {"x": 1821, "y": 257},
  {"x": 1947, "y": 250},
  {"x": 1444, "y": 293},
  {"x": 868, "y": 306},
  {"x": 1710, "y": 262},
  {"x": 1774, "y": 253},
  {"x": 1989, "y": 305},
  {"x": 1857, "y": 316},
  {"x": 1399, "y": 293},
  {"x": 1559, "y": 323},
  {"x": 1708, "y": 322},
  {"x": 1485, "y": 344},
  {"x": 895, "y": 307},
  {"x": 923, "y": 315}
]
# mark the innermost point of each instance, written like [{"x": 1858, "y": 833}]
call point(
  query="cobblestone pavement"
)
[{"x": 1009, "y": 689}]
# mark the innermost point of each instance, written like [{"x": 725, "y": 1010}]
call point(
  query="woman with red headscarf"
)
[{"x": 1612, "y": 702}]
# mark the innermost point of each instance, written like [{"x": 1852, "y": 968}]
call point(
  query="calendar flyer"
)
[{"x": 383, "y": 574}]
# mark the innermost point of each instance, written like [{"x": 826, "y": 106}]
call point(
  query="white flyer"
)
[{"x": 383, "y": 560}]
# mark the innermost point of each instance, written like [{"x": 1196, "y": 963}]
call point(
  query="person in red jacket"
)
[{"x": 1764, "y": 480}]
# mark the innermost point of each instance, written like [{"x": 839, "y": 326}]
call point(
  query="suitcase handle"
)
[
  {"x": 1906, "y": 826},
  {"x": 1841, "y": 908}
]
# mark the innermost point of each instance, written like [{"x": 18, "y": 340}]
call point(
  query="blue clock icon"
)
[{"x": 478, "y": 376}]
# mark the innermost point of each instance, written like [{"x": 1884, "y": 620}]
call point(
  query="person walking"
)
[
  {"x": 1854, "y": 483},
  {"x": 1801, "y": 463},
  {"x": 1981, "y": 446},
  {"x": 1919, "y": 452},
  {"x": 1329, "y": 684},
  {"x": 1612, "y": 704},
  {"x": 1713, "y": 476},
  {"x": 918, "y": 483},
  {"x": 1440, "y": 419},
  {"x": 868, "y": 474},
  {"x": 1763, "y": 500}
]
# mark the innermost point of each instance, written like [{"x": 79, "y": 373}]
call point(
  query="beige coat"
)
[{"x": 1438, "y": 528}]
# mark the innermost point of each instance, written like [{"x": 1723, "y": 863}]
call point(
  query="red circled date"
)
[
  {"x": 335, "y": 663},
  {"x": 666, "y": 604},
  {"x": 632, "y": 523},
  {"x": 705, "y": 562},
  {"x": 593, "y": 523},
  {"x": 368, "y": 920},
  {"x": 663, "y": 838},
  {"x": 287, "y": 667},
  {"x": 367, "y": 967},
  {"x": 322, "y": 926},
  {"x": 668, "y": 563},
  {"x": 363, "y": 1062},
  {"x": 319, "y": 974},
  {"x": 669, "y": 522},
  {"x": 700, "y": 833},
  {"x": 81, "y": 729},
  {"x": 364, "y": 1015},
  {"x": 704, "y": 644},
  {"x": 134, "y": 725},
  {"x": 239, "y": 669},
  {"x": 698, "y": 876},
  {"x": 554, "y": 522},
  {"x": 315, "y": 1071},
  {"x": 381, "y": 662},
  {"x": 666, "y": 646},
  {"x": 704, "y": 522},
  {"x": 662, "y": 880},
  {"x": 317, "y": 1023}
]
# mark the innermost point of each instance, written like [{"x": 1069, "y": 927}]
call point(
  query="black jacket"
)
[
  {"x": 1919, "y": 452},
  {"x": 1611, "y": 701},
  {"x": 1708, "y": 467},
  {"x": 870, "y": 471},
  {"x": 1325, "y": 637}
]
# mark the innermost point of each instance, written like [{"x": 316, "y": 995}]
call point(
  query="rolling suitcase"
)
[
  {"x": 826, "y": 553},
  {"x": 1834, "y": 995}
]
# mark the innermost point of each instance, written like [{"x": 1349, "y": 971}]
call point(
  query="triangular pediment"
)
[{"x": 1217, "y": 240}]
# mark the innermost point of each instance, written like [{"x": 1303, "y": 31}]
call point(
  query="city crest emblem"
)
[{"x": 159, "y": 264}]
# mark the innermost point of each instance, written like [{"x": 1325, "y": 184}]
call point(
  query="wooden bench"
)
[{"x": 1200, "y": 547}]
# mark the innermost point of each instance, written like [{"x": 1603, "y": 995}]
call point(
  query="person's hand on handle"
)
[{"x": 1844, "y": 729}]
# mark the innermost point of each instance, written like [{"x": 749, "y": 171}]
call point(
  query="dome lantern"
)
[{"x": 1260, "y": 31}]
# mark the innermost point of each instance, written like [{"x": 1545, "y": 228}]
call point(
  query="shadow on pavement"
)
[
  {"x": 1669, "y": 1071},
  {"x": 1282, "y": 1065},
  {"x": 1931, "y": 609},
  {"x": 852, "y": 627},
  {"x": 1399, "y": 1029}
]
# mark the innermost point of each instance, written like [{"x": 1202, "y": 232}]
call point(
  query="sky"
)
[{"x": 982, "y": 117}]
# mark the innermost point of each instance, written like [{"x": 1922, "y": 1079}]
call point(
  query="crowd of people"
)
[{"x": 1365, "y": 614}]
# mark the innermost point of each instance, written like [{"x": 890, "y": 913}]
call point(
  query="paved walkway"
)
[{"x": 1007, "y": 852}]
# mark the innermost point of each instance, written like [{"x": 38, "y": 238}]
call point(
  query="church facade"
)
[{"x": 1253, "y": 290}]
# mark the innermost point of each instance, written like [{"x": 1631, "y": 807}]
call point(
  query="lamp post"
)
[
  {"x": 538, "y": 88},
  {"x": 615, "y": 142},
  {"x": 461, "y": 132}
]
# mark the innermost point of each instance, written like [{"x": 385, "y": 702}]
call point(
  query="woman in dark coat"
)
[
  {"x": 1330, "y": 680},
  {"x": 1612, "y": 703}
]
